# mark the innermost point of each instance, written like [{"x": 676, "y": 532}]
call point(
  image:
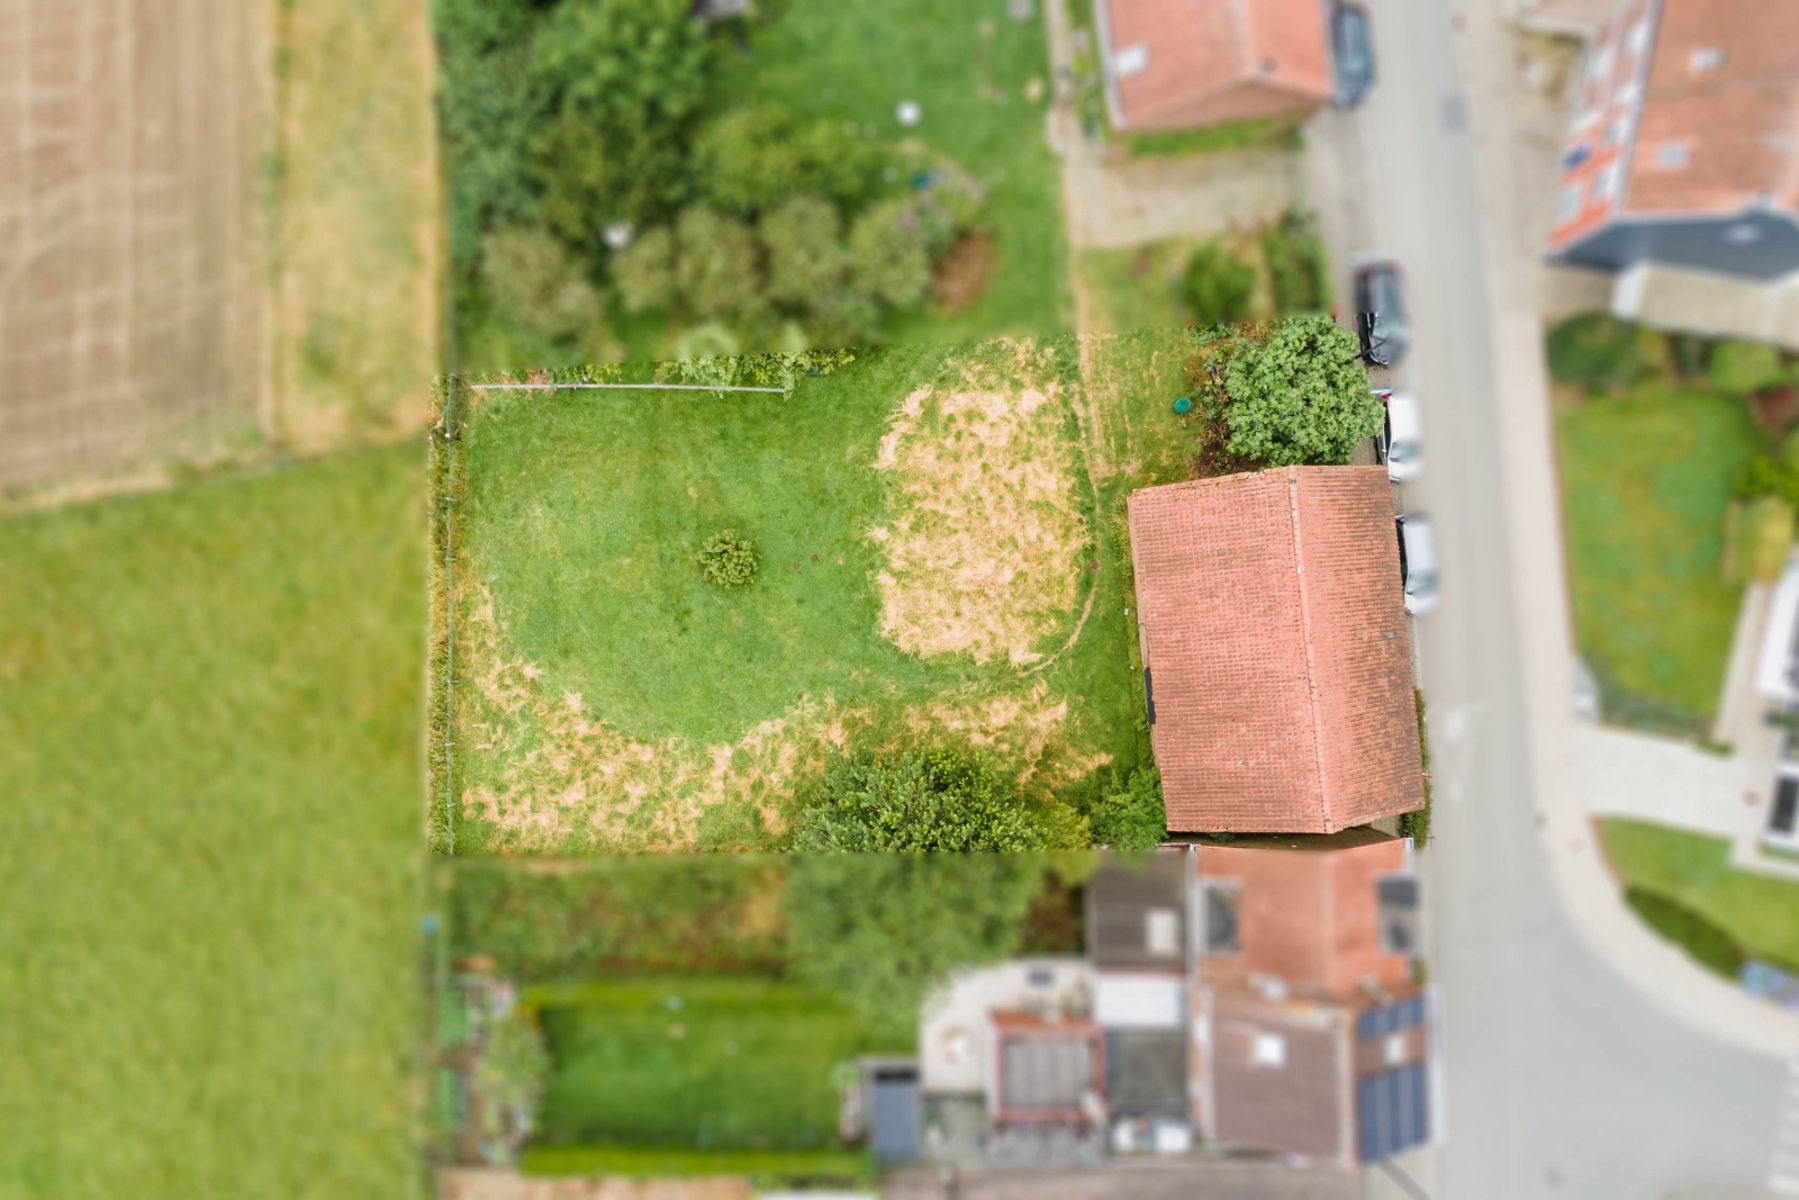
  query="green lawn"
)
[
  {"x": 609, "y": 698},
  {"x": 1646, "y": 480},
  {"x": 1760, "y": 912},
  {"x": 694, "y": 1061},
  {"x": 967, "y": 64},
  {"x": 209, "y": 726}
]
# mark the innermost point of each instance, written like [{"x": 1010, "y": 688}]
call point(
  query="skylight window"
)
[
  {"x": 1704, "y": 58},
  {"x": 1673, "y": 154},
  {"x": 1130, "y": 60}
]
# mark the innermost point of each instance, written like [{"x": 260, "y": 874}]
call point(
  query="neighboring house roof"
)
[
  {"x": 1275, "y": 643},
  {"x": 1685, "y": 108},
  {"x": 1347, "y": 1084},
  {"x": 1325, "y": 916},
  {"x": 1137, "y": 913},
  {"x": 1045, "y": 1069},
  {"x": 1169, "y": 59}
]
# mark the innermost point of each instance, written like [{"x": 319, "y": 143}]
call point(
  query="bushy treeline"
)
[{"x": 596, "y": 173}]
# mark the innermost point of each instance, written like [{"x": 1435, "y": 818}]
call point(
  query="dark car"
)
[
  {"x": 1352, "y": 55},
  {"x": 1381, "y": 320}
]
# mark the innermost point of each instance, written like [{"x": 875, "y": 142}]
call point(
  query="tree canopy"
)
[{"x": 1300, "y": 396}]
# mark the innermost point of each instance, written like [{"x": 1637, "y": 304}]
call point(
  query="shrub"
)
[
  {"x": 922, "y": 800},
  {"x": 1708, "y": 945},
  {"x": 1416, "y": 824},
  {"x": 1132, "y": 819},
  {"x": 1296, "y": 265},
  {"x": 1599, "y": 352},
  {"x": 1300, "y": 396},
  {"x": 531, "y": 277},
  {"x": 1767, "y": 475},
  {"x": 729, "y": 559},
  {"x": 716, "y": 267},
  {"x": 1217, "y": 285},
  {"x": 1744, "y": 367},
  {"x": 803, "y": 242},
  {"x": 888, "y": 255},
  {"x": 644, "y": 271}
]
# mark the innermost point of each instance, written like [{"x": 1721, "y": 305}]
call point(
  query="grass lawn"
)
[
  {"x": 967, "y": 64},
  {"x": 1760, "y": 912},
  {"x": 938, "y": 558},
  {"x": 209, "y": 709},
  {"x": 693, "y": 1060},
  {"x": 1646, "y": 481},
  {"x": 354, "y": 221}
]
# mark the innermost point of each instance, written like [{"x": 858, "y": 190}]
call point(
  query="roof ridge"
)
[{"x": 1305, "y": 630}]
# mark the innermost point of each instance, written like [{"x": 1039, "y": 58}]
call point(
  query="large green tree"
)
[
  {"x": 883, "y": 930},
  {"x": 1299, "y": 396}
]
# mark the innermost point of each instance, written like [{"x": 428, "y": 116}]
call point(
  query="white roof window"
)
[
  {"x": 1130, "y": 60},
  {"x": 1268, "y": 1050},
  {"x": 1673, "y": 154},
  {"x": 1162, "y": 932},
  {"x": 1704, "y": 58},
  {"x": 1567, "y": 205},
  {"x": 1638, "y": 37},
  {"x": 1605, "y": 187}
]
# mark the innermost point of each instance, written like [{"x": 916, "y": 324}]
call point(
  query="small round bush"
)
[{"x": 729, "y": 559}]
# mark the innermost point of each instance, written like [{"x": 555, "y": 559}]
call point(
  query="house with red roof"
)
[
  {"x": 1277, "y": 663},
  {"x": 1683, "y": 159},
  {"x": 1174, "y": 64}
]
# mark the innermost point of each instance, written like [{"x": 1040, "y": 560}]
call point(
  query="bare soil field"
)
[{"x": 131, "y": 287}]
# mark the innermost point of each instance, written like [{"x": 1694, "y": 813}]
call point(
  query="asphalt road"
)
[{"x": 1561, "y": 1081}]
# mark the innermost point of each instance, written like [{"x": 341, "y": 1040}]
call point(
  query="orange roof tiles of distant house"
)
[
  {"x": 1685, "y": 107},
  {"x": 1279, "y": 662},
  {"x": 1193, "y": 62}
]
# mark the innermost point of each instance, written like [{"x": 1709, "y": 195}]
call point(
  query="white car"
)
[
  {"x": 1417, "y": 562},
  {"x": 1400, "y": 441}
]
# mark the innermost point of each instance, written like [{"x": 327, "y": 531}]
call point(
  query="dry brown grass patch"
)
[{"x": 985, "y": 538}]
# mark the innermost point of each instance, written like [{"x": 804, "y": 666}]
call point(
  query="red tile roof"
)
[
  {"x": 1275, "y": 635},
  {"x": 1308, "y": 912},
  {"x": 1689, "y": 107},
  {"x": 1213, "y": 60}
]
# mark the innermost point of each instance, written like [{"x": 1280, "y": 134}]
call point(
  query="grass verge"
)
[{"x": 1758, "y": 913}]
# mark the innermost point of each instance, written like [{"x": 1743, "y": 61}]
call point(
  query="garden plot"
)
[{"x": 936, "y": 563}]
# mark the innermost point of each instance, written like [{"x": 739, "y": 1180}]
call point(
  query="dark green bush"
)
[
  {"x": 1132, "y": 818},
  {"x": 717, "y": 265},
  {"x": 802, "y": 241},
  {"x": 644, "y": 271},
  {"x": 1599, "y": 352},
  {"x": 1299, "y": 396},
  {"x": 1708, "y": 945},
  {"x": 533, "y": 280},
  {"x": 753, "y": 159},
  {"x": 645, "y": 913},
  {"x": 888, "y": 255},
  {"x": 729, "y": 560},
  {"x": 883, "y": 930},
  {"x": 1217, "y": 285},
  {"x": 1297, "y": 265},
  {"x": 922, "y": 800}
]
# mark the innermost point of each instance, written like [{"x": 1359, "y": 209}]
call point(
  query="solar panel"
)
[{"x": 1393, "y": 1112}]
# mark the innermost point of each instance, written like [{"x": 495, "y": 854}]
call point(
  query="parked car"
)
[
  {"x": 1352, "y": 54},
  {"x": 1381, "y": 320},
  {"x": 1399, "y": 444},
  {"x": 1417, "y": 561}
]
